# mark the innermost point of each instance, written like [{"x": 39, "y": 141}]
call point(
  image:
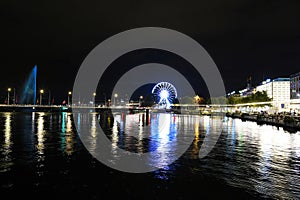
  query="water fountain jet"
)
[{"x": 29, "y": 91}]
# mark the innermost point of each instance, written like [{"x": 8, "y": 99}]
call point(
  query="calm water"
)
[{"x": 41, "y": 156}]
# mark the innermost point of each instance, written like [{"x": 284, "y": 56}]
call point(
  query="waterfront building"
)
[
  {"x": 278, "y": 90},
  {"x": 295, "y": 91}
]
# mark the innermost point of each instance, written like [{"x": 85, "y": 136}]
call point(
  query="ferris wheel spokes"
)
[{"x": 165, "y": 93}]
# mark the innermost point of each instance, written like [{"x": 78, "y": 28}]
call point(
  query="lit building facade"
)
[
  {"x": 278, "y": 90},
  {"x": 295, "y": 91}
]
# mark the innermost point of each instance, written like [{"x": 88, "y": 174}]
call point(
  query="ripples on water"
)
[{"x": 41, "y": 152}]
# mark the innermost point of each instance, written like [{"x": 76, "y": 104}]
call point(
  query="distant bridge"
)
[{"x": 59, "y": 108}]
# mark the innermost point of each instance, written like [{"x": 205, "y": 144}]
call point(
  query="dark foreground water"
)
[{"x": 42, "y": 157}]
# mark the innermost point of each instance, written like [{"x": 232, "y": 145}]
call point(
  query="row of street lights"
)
[
  {"x": 41, "y": 96},
  {"x": 94, "y": 95},
  {"x": 8, "y": 95},
  {"x": 42, "y": 92},
  {"x": 69, "y": 95}
]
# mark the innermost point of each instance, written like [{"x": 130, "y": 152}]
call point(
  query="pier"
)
[{"x": 287, "y": 121}]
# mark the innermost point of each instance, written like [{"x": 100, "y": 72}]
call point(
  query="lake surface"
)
[{"x": 42, "y": 156}]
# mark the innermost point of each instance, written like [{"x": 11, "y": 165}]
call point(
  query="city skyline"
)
[
  {"x": 52, "y": 98},
  {"x": 244, "y": 38}
]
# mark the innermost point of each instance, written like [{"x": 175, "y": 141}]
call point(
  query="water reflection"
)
[
  {"x": 40, "y": 134},
  {"x": 275, "y": 153},
  {"x": 258, "y": 159},
  {"x": 197, "y": 140},
  {"x": 115, "y": 136},
  {"x": 6, "y": 147},
  {"x": 267, "y": 154},
  {"x": 66, "y": 134},
  {"x": 156, "y": 134},
  {"x": 162, "y": 143},
  {"x": 7, "y": 135},
  {"x": 93, "y": 140}
]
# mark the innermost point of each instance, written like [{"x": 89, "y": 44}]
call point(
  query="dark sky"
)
[{"x": 244, "y": 37}]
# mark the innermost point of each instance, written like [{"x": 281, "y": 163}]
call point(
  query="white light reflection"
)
[
  {"x": 69, "y": 124},
  {"x": 40, "y": 134},
  {"x": 197, "y": 138},
  {"x": 7, "y": 135},
  {"x": 33, "y": 122},
  {"x": 69, "y": 136},
  {"x": 206, "y": 124},
  {"x": 131, "y": 124},
  {"x": 212, "y": 126},
  {"x": 93, "y": 138},
  {"x": 115, "y": 133},
  {"x": 275, "y": 149},
  {"x": 160, "y": 140},
  {"x": 40, "y": 143},
  {"x": 6, "y": 148}
]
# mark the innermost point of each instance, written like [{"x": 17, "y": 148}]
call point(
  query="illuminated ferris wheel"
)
[{"x": 164, "y": 93}]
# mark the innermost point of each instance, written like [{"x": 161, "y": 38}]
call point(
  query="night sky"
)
[{"x": 260, "y": 39}]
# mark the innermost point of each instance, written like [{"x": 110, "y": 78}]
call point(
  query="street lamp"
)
[
  {"x": 116, "y": 95},
  {"x": 141, "y": 98},
  {"x": 69, "y": 94},
  {"x": 94, "y": 94},
  {"x": 8, "y": 91},
  {"x": 41, "y": 93}
]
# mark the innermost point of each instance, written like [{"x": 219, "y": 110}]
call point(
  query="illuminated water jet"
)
[{"x": 29, "y": 91}]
